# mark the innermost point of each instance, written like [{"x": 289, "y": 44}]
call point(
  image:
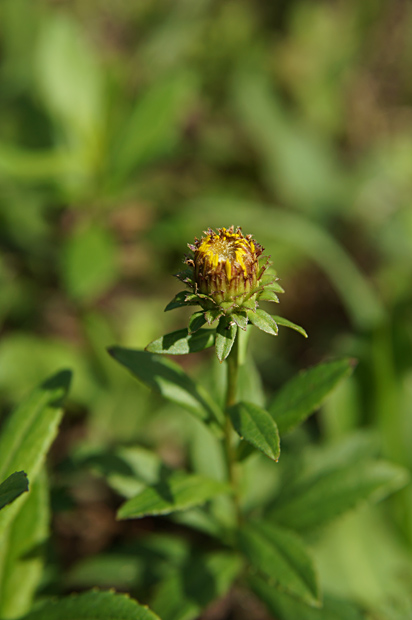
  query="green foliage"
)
[
  {"x": 125, "y": 130},
  {"x": 225, "y": 336},
  {"x": 92, "y": 606},
  {"x": 182, "y": 342},
  {"x": 281, "y": 557},
  {"x": 313, "y": 501},
  {"x": 255, "y": 425},
  {"x": 177, "y": 491},
  {"x": 306, "y": 392},
  {"x": 199, "y": 581},
  {"x": 170, "y": 381},
  {"x": 12, "y": 487},
  {"x": 22, "y": 554},
  {"x": 285, "y": 606},
  {"x": 263, "y": 321},
  {"x": 28, "y": 434}
]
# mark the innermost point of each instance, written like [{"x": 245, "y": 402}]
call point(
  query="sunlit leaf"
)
[
  {"x": 28, "y": 434},
  {"x": 182, "y": 342},
  {"x": 285, "y": 323},
  {"x": 225, "y": 336},
  {"x": 92, "y": 606},
  {"x": 281, "y": 557},
  {"x": 263, "y": 321},
  {"x": 303, "y": 394},
  {"x": 177, "y": 491},
  {"x": 12, "y": 487},
  {"x": 257, "y": 427},
  {"x": 22, "y": 555}
]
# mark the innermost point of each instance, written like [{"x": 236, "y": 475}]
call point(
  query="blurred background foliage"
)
[{"x": 126, "y": 128}]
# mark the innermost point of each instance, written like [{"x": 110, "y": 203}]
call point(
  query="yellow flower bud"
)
[{"x": 226, "y": 265}]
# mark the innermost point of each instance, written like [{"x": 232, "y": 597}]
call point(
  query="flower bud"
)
[{"x": 226, "y": 265}]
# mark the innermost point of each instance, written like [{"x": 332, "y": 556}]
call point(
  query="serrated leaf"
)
[
  {"x": 196, "y": 321},
  {"x": 285, "y": 323},
  {"x": 313, "y": 501},
  {"x": 28, "y": 434},
  {"x": 240, "y": 318},
  {"x": 212, "y": 315},
  {"x": 305, "y": 393},
  {"x": 12, "y": 487},
  {"x": 267, "y": 278},
  {"x": 170, "y": 380},
  {"x": 184, "y": 298},
  {"x": 268, "y": 295},
  {"x": 225, "y": 336},
  {"x": 22, "y": 552},
  {"x": 287, "y": 607},
  {"x": 92, "y": 606},
  {"x": 257, "y": 427},
  {"x": 282, "y": 559},
  {"x": 275, "y": 287},
  {"x": 249, "y": 304},
  {"x": 181, "y": 342},
  {"x": 263, "y": 321},
  {"x": 177, "y": 491},
  {"x": 201, "y": 580}
]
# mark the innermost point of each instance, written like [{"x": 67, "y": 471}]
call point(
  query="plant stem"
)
[{"x": 231, "y": 397}]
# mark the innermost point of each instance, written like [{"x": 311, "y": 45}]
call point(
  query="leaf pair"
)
[{"x": 195, "y": 338}]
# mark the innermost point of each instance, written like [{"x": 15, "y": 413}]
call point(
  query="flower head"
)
[
  {"x": 225, "y": 275},
  {"x": 225, "y": 265},
  {"x": 227, "y": 280}
]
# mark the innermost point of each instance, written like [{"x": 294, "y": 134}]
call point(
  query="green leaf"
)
[
  {"x": 182, "y": 342},
  {"x": 257, "y": 427},
  {"x": 184, "y": 298},
  {"x": 311, "y": 502},
  {"x": 269, "y": 279},
  {"x": 282, "y": 558},
  {"x": 201, "y": 580},
  {"x": 287, "y": 607},
  {"x": 285, "y": 323},
  {"x": 22, "y": 551},
  {"x": 89, "y": 266},
  {"x": 263, "y": 321},
  {"x": 196, "y": 321},
  {"x": 305, "y": 393},
  {"x": 275, "y": 287},
  {"x": 212, "y": 315},
  {"x": 12, "y": 487},
  {"x": 268, "y": 295},
  {"x": 240, "y": 318},
  {"x": 225, "y": 336},
  {"x": 28, "y": 434},
  {"x": 127, "y": 469},
  {"x": 176, "y": 491},
  {"x": 167, "y": 378},
  {"x": 92, "y": 606}
]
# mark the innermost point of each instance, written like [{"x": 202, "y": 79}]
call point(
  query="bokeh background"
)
[{"x": 126, "y": 128}]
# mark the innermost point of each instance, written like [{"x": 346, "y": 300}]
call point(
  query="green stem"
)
[{"x": 231, "y": 398}]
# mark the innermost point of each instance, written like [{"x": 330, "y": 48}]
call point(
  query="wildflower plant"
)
[{"x": 258, "y": 544}]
